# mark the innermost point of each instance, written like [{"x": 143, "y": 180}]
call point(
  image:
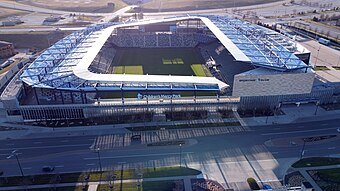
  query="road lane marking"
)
[
  {"x": 300, "y": 126},
  {"x": 91, "y": 164},
  {"x": 46, "y": 147},
  {"x": 26, "y": 168},
  {"x": 64, "y": 141},
  {"x": 7, "y": 154},
  {"x": 130, "y": 156},
  {"x": 324, "y": 124},
  {"x": 275, "y": 153},
  {"x": 59, "y": 166},
  {"x": 37, "y": 142},
  {"x": 292, "y": 132},
  {"x": 9, "y": 144},
  {"x": 330, "y": 148}
]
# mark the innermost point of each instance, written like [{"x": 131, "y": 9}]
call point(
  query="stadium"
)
[{"x": 195, "y": 60}]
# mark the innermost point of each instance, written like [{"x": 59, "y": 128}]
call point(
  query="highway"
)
[
  {"x": 39, "y": 29},
  {"x": 225, "y": 150}
]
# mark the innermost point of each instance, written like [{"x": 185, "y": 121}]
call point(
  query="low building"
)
[
  {"x": 12, "y": 21},
  {"x": 52, "y": 18},
  {"x": 6, "y": 49}
]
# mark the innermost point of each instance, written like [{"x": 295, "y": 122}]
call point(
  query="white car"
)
[{"x": 338, "y": 130}]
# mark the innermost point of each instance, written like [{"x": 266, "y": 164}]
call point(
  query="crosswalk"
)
[{"x": 112, "y": 141}]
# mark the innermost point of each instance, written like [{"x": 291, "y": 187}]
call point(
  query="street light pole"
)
[
  {"x": 316, "y": 109},
  {"x": 22, "y": 172},
  {"x": 303, "y": 149},
  {"x": 317, "y": 56},
  {"x": 180, "y": 155},
  {"x": 99, "y": 160},
  {"x": 16, "y": 156}
]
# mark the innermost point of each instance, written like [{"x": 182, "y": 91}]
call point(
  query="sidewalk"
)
[
  {"x": 306, "y": 175},
  {"x": 310, "y": 180},
  {"x": 186, "y": 180},
  {"x": 294, "y": 114},
  {"x": 303, "y": 113},
  {"x": 37, "y": 132}
]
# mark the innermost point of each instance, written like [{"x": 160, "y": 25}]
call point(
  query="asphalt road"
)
[{"x": 69, "y": 154}]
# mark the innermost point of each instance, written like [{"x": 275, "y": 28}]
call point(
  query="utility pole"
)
[
  {"x": 99, "y": 159},
  {"x": 180, "y": 155},
  {"x": 317, "y": 56},
  {"x": 15, "y": 154},
  {"x": 303, "y": 149}
]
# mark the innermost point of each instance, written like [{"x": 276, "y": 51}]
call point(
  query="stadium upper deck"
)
[{"x": 65, "y": 65}]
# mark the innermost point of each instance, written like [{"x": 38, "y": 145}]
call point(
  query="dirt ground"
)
[
  {"x": 36, "y": 40},
  {"x": 150, "y": 5},
  {"x": 171, "y": 5},
  {"x": 95, "y": 6},
  {"x": 4, "y": 13}
]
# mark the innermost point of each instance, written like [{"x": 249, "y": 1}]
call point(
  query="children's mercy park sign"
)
[{"x": 159, "y": 96}]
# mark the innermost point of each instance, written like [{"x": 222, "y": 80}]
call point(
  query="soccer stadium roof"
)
[
  {"x": 263, "y": 47},
  {"x": 64, "y": 65}
]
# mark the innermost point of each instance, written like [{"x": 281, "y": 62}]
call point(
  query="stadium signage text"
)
[
  {"x": 159, "y": 96},
  {"x": 254, "y": 80}
]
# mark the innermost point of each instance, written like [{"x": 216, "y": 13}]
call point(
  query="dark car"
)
[
  {"x": 267, "y": 187},
  {"x": 136, "y": 137},
  {"x": 1, "y": 173},
  {"x": 48, "y": 168}
]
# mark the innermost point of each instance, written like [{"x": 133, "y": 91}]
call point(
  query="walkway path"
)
[
  {"x": 305, "y": 174},
  {"x": 309, "y": 179},
  {"x": 93, "y": 185},
  {"x": 187, "y": 184}
]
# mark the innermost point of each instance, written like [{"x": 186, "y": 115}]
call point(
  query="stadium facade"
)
[{"x": 249, "y": 65}]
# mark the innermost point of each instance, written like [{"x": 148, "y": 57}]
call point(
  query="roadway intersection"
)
[{"x": 226, "y": 154}]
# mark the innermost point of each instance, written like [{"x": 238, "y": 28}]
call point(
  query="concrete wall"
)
[{"x": 275, "y": 84}]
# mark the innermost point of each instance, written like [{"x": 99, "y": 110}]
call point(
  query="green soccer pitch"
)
[{"x": 159, "y": 61}]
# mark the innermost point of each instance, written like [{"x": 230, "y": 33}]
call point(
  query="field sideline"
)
[{"x": 159, "y": 61}]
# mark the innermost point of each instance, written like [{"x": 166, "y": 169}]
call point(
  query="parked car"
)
[
  {"x": 48, "y": 168},
  {"x": 136, "y": 137},
  {"x": 338, "y": 130},
  {"x": 1, "y": 172}
]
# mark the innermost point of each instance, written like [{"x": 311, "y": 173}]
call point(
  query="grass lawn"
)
[
  {"x": 149, "y": 186},
  {"x": 173, "y": 61},
  {"x": 158, "y": 61},
  {"x": 316, "y": 161},
  {"x": 169, "y": 171},
  {"x": 332, "y": 175},
  {"x": 128, "y": 70},
  {"x": 327, "y": 179},
  {"x": 69, "y": 188},
  {"x": 96, "y": 176},
  {"x": 320, "y": 68},
  {"x": 198, "y": 70}
]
